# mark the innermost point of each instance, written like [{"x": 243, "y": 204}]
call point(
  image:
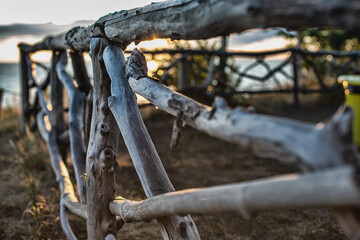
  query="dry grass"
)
[{"x": 29, "y": 203}]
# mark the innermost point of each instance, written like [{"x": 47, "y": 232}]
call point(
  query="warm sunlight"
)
[
  {"x": 149, "y": 45},
  {"x": 10, "y": 53},
  {"x": 152, "y": 65}
]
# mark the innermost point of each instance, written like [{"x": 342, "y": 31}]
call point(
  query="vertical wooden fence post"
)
[
  {"x": 101, "y": 154},
  {"x": 183, "y": 79},
  {"x": 146, "y": 160},
  {"x": 222, "y": 64},
  {"x": 1, "y": 97},
  {"x": 56, "y": 95},
  {"x": 24, "y": 83},
  {"x": 81, "y": 76},
  {"x": 295, "y": 65}
]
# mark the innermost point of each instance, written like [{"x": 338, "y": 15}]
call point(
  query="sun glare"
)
[
  {"x": 149, "y": 45},
  {"x": 10, "y": 53},
  {"x": 152, "y": 65}
]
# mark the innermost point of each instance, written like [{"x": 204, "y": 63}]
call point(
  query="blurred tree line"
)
[{"x": 223, "y": 80}]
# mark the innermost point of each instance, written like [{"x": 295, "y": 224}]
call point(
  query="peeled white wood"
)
[
  {"x": 146, "y": 160},
  {"x": 76, "y": 112},
  {"x": 327, "y": 189}
]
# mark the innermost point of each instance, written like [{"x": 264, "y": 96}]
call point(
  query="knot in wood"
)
[
  {"x": 105, "y": 108},
  {"x": 182, "y": 229},
  {"x": 107, "y": 159},
  {"x": 104, "y": 128},
  {"x": 111, "y": 101}
]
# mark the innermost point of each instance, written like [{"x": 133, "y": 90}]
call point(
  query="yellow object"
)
[{"x": 351, "y": 84}]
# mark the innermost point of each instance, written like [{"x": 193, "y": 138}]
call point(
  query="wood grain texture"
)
[
  {"x": 101, "y": 153},
  {"x": 313, "y": 146},
  {"x": 146, "y": 160},
  {"x": 329, "y": 189}
]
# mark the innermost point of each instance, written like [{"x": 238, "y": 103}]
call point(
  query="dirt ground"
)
[{"x": 29, "y": 197}]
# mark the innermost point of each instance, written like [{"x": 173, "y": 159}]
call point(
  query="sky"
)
[{"x": 31, "y": 21}]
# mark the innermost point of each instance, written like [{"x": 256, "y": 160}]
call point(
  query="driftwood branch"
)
[
  {"x": 320, "y": 146},
  {"x": 31, "y": 79},
  {"x": 101, "y": 154},
  {"x": 76, "y": 112},
  {"x": 81, "y": 76},
  {"x": 66, "y": 188},
  {"x": 24, "y": 83},
  {"x": 64, "y": 220},
  {"x": 147, "y": 163},
  {"x": 68, "y": 200},
  {"x": 175, "y": 20},
  {"x": 312, "y": 146},
  {"x": 328, "y": 189},
  {"x": 56, "y": 97}
]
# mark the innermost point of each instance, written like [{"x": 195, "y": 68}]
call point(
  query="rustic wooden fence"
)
[
  {"x": 97, "y": 114},
  {"x": 336, "y": 63}
]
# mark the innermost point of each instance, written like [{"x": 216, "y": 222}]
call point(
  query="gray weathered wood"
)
[
  {"x": 313, "y": 146},
  {"x": 101, "y": 153},
  {"x": 24, "y": 83},
  {"x": 62, "y": 176},
  {"x": 326, "y": 189},
  {"x": 146, "y": 160},
  {"x": 176, "y": 20},
  {"x": 76, "y": 113},
  {"x": 39, "y": 93},
  {"x": 81, "y": 76},
  {"x": 56, "y": 97},
  {"x": 1, "y": 98},
  {"x": 320, "y": 146},
  {"x": 183, "y": 79},
  {"x": 65, "y": 222}
]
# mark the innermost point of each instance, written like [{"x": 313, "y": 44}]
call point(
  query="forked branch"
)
[
  {"x": 146, "y": 160},
  {"x": 76, "y": 112}
]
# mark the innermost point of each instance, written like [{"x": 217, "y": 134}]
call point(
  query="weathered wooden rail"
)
[
  {"x": 340, "y": 63},
  {"x": 99, "y": 113}
]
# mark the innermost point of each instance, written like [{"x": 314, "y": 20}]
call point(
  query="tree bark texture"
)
[
  {"x": 101, "y": 154},
  {"x": 76, "y": 113},
  {"x": 146, "y": 160},
  {"x": 175, "y": 20}
]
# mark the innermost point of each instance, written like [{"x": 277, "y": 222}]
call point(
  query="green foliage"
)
[
  {"x": 327, "y": 67},
  {"x": 315, "y": 39}
]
